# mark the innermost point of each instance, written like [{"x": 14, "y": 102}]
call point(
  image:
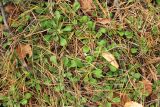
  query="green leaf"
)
[
  {"x": 90, "y": 25},
  {"x": 86, "y": 49},
  {"x": 134, "y": 50},
  {"x": 59, "y": 88},
  {"x": 40, "y": 10},
  {"x": 76, "y": 63},
  {"x": 79, "y": 63},
  {"x": 108, "y": 104},
  {"x": 65, "y": 61},
  {"x": 99, "y": 34},
  {"x": 110, "y": 95},
  {"x": 57, "y": 15},
  {"x": 97, "y": 73},
  {"x": 102, "y": 30},
  {"x": 68, "y": 28},
  {"x": 93, "y": 81},
  {"x": 63, "y": 42},
  {"x": 158, "y": 2},
  {"x": 1, "y": 19},
  {"x": 116, "y": 100},
  {"x": 20, "y": 28},
  {"x": 52, "y": 69},
  {"x": 137, "y": 75},
  {"x": 24, "y": 101},
  {"x": 155, "y": 30},
  {"x": 112, "y": 68},
  {"x": 89, "y": 59},
  {"x": 53, "y": 59},
  {"x": 73, "y": 63},
  {"x": 121, "y": 33},
  {"x": 76, "y": 6},
  {"x": 75, "y": 22},
  {"x": 27, "y": 96},
  {"x": 128, "y": 34},
  {"x": 47, "y": 37},
  {"x": 102, "y": 43},
  {"x": 84, "y": 19},
  {"x": 47, "y": 24},
  {"x": 38, "y": 87}
]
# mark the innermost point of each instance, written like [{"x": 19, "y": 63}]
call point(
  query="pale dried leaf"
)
[
  {"x": 23, "y": 50},
  {"x": 147, "y": 86},
  {"x": 103, "y": 20},
  {"x": 132, "y": 104},
  {"x": 110, "y": 58},
  {"x": 86, "y": 5}
]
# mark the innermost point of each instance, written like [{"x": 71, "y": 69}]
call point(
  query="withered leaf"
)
[
  {"x": 86, "y": 5},
  {"x": 9, "y": 8},
  {"x": 23, "y": 50},
  {"x": 147, "y": 86},
  {"x": 103, "y": 20},
  {"x": 110, "y": 58},
  {"x": 132, "y": 104},
  {"x": 124, "y": 98}
]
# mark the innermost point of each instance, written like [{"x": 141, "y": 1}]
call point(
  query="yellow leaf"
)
[
  {"x": 132, "y": 104},
  {"x": 111, "y": 59},
  {"x": 23, "y": 50}
]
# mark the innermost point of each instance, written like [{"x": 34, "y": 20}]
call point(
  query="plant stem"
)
[{"x": 4, "y": 17}]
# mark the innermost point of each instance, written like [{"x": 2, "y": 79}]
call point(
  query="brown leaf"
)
[
  {"x": 154, "y": 96},
  {"x": 124, "y": 98},
  {"x": 147, "y": 86},
  {"x": 1, "y": 27},
  {"x": 23, "y": 50},
  {"x": 86, "y": 5},
  {"x": 103, "y": 20},
  {"x": 111, "y": 59},
  {"x": 9, "y": 8},
  {"x": 132, "y": 104}
]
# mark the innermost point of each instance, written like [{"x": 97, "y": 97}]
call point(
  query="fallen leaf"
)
[
  {"x": 23, "y": 50},
  {"x": 147, "y": 86},
  {"x": 9, "y": 8},
  {"x": 103, "y": 20},
  {"x": 154, "y": 96},
  {"x": 123, "y": 97},
  {"x": 111, "y": 59},
  {"x": 132, "y": 104},
  {"x": 86, "y": 5},
  {"x": 1, "y": 27}
]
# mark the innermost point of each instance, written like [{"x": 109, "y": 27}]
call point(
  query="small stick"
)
[{"x": 4, "y": 17}]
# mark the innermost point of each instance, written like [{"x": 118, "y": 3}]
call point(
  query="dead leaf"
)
[
  {"x": 103, "y": 20},
  {"x": 9, "y": 8},
  {"x": 124, "y": 98},
  {"x": 86, "y": 5},
  {"x": 154, "y": 96},
  {"x": 111, "y": 59},
  {"x": 147, "y": 86},
  {"x": 1, "y": 27},
  {"x": 132, "y": 104},
  {"x": 23, "y": 50}
]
